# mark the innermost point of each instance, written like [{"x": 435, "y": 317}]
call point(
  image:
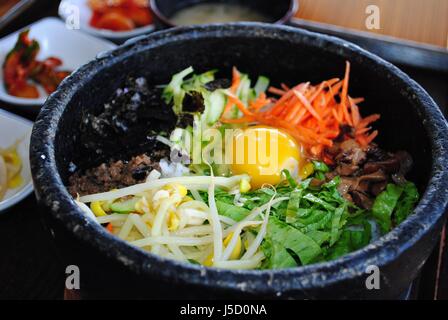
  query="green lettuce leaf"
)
[
  {"x": 384, "y": 206},
  {"x": 231, "y": 211},
  {"x": 283, "y": 238},
  {"x": 406, "y": 203}
]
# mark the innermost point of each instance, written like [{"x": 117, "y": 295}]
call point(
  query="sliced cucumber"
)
[
  {"x": 261, "y": 86},
  {"x": 174, "y": 90},
  {"x": 215, "y": 103},
  {"x": 124, "y": 207}
]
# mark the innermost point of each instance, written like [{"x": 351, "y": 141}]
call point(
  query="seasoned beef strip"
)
[
  {"x": 113, "y": 175},
  {"x": 365, "y": 172}
]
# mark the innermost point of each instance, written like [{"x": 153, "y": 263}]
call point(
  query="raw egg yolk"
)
[{"x": 263, "y": 153}]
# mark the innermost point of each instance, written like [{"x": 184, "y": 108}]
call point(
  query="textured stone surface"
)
[{"x": 410, "y": 120}]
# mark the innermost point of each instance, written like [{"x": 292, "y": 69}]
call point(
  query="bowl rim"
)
[
  {"x": 292, "y": 10},
  {"x": 54, "y": 195}
]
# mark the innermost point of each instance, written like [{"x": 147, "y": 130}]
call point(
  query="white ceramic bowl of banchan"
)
[
  {"x": 74, "y": 48},
  {"x": 15, "y": 129},
  {"x": 72, "y": 9}
]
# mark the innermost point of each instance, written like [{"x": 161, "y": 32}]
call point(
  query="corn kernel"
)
[
  {"x": 182, "y": 190},
  {"x": 306, "y": 171},
  {"x": 173, "y": 222},
  {"x": 97, "y": 209},
  {"x": 13, "y": 158},
  {"x": 209, "y": 261},
  {"x": 237, "y": 250},
  {"x": 246, "y": 244},
  {"x": 142, "y": 206},
  {"x": 15, "y": 182},
  {"x": 186, "y": 199},
  {"x": 245, "y": 186}
]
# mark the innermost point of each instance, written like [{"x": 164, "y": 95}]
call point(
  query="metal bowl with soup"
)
[{"x": 170, "y": 13}]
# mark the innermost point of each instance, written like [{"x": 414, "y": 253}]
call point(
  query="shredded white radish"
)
[
  {"x": 194, "y": 231},
  {"x": 159, "y": 220},
  {"x": 261, "y": 234},
  {"x": 112, "y": 218},
  {"x": 153, "y": 175},
  {"x": 214, "y": 221},
  {"x": 126, "y": 229},
  {"x": 194, "y": 255},
  {"x": 196, "y": 195},
  {"x": 207, "y": 251},
  {"x": 140, "y": 225},
  {"x": 248, "y": 239},
  {"x": 180, "y": 241},
  {"x": 234, "y": 240},
  {"x": 87, "y": 211},
  {"x": 174, "y": 248},
  {"x": 227, "y": 220},
  {"x": 165, "y": 141},
  {"x": 199, "y": 205},
  {"x": 174, "y": 227},
  {"x": 255, "y": 213},
  {"x": 161, "y": 215},
  {"x": 252, "y": 263},
  {"x": 189, "y": 182}
]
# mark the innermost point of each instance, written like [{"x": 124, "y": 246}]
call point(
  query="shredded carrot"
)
[
  {"x": 363, "y": 130},
  {"x": 357, "y": 100},
  {"x": 296, "y": 109},
  {"x": 236, "y": 81},
  {"x": 237, "y": 121},
  {"x": 240, "y": 105},
  {"x": 276, "y": 91},
  {"x": 368, "y": 120},
  {"x": 310, "y": 113},
  {"x": 109, "y": 227},
  {"x": 260, "y": 102},
  {"x": 344, "y": 95},
  {"x": 317, "y": 92},
  {"x": 372, "y": 136},
  {"x": 307, "y": 105},
  {"x": 356, "y": 117},
  {"x": 332, "y": 91},
  {"x": 285, "y": 87},
  {"x": 336, "y": 115}
]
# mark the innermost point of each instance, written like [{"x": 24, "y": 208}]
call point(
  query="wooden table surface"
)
[
  {"x": 424, "y": 21},
  {"x": 6, "y": 5}
]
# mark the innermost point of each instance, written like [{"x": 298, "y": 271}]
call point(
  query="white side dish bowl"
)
[
  {"x": 12, "y": 129},
  {"x": 74, "y": 48},
  {"x": 66, "y": 12}
]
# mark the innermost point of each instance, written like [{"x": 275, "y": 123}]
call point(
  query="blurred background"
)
[{"x": 415, "y": 20}]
